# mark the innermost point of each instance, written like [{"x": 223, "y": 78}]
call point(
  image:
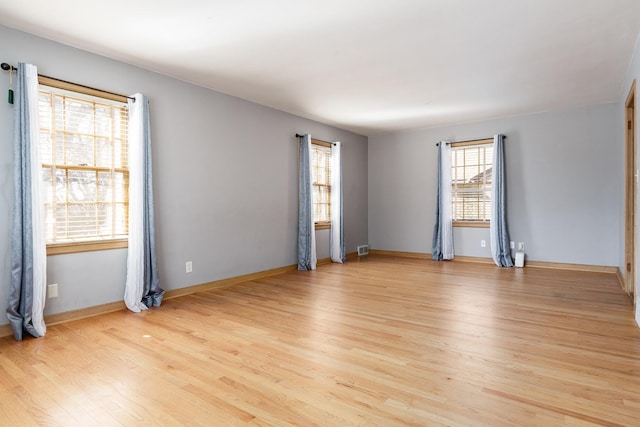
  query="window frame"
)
[
  {"x": 472, "y": 143},
  {"x": 88, "y": 245},
  {"x": 324, "y": 224}
]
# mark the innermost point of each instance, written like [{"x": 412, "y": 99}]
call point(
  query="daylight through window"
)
[
  {"x": 471, "y": 167},
  {"x": 83, "y": 146},
  {"x": 321, "y": 181}
]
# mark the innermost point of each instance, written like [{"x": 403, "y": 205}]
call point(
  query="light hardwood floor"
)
[{"x": 379, "y": 341}]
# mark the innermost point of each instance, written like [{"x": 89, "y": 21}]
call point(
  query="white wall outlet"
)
[
  {"x": 189, "y": 267},
  {"x": 512, "y": 244},
  {"x": 521, "y": 246},
  {"x": 483, "y": 243},
  {"x": 52, "y": 290}
]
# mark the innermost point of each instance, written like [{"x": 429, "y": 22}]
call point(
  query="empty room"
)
[{"x": 336, "y": 213}]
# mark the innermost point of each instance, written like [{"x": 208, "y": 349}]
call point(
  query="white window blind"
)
[
  {"x": 321, "y": 180},
  {"x": 471, "y": 167},
  {"x": 83, "y": 143}
]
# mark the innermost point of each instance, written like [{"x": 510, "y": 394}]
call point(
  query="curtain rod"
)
[
  {"x": 469, "y": 140},
  {"x": 7, "y": 67},
  {"x": 326, "y": 142}
]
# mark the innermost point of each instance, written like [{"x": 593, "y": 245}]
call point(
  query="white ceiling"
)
[{"x": 369, "y": 66}]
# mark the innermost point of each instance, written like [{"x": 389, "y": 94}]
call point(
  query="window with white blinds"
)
[
  {"x": 83, "y": 145},
  {"x": 321, "y": 181},
  {"x": 471, "y": 167}
]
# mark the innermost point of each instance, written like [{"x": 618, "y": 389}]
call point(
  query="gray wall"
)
[
  {"x": 225, "y": 175},
  {"x": 564, "y": 197}
]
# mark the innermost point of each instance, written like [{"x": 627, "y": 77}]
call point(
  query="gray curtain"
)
[
  {"x": 442, "y": 244},
  {"x": 343, "y": 252},
  {"x": 142, "y": 286},
  {"x": 28, "y": 246},
  {"x": 499, "y": 236},
  {"x": 336, "y": 241},
  {"x": 153, "y": 293},
  {"x": 436, "y": 244},
  {"x": 306, "y": 229}
]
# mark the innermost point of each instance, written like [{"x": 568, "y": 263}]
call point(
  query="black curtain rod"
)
[
  {"x": 469, "y": 140},
  {"x": 7, "y": 67},
  {"x": 327, "y": 142}
]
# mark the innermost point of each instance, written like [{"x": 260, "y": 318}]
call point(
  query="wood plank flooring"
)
[{"x": 379, "y": 341}]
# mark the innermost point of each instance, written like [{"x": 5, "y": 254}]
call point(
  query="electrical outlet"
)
[
  {"x": 521, "y": 246},
  {"x": 189, "y": 267},
  {"x": 483, "y": 243},
  {"x": 512, "y": 244},
  {"x": 52, "y": 290}
]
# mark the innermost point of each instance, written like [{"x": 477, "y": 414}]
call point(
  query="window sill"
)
[
  {"x": 323, "y": 225},
  {"x": 69, "y": 248},
  {"x": 471, "y": 224}
]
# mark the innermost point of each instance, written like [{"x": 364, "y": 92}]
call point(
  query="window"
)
[
  {"x": 321, "y": 183},
  {"x": 83, "y": 147},
  {"x": 471, "y": 166}
]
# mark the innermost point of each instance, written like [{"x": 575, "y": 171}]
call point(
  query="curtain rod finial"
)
[{"x": 6, "y": 66}]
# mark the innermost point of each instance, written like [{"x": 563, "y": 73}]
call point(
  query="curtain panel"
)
[
  {"x": 142, "y": 287},
  {"x": 27, "y": 289},
  {"x": 337, "y": 248},
  {"x": 498, "y": 234},
  {"x": 442, "y": 244},
  {"x": 306, "y": 230}
]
